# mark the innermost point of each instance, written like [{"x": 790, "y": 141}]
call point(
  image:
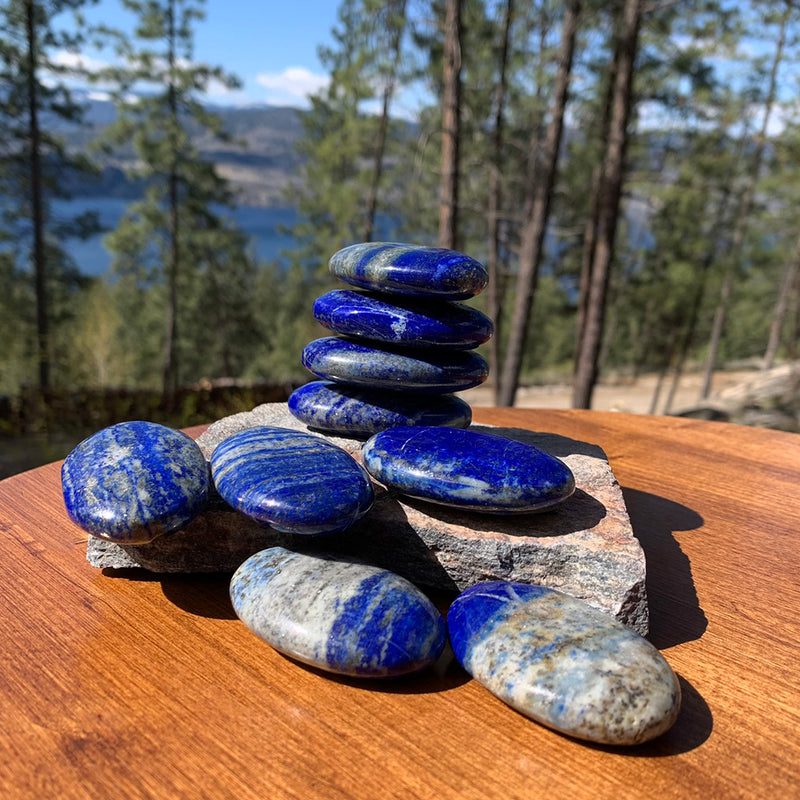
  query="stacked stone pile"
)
[{"x": 403, "y": 342}]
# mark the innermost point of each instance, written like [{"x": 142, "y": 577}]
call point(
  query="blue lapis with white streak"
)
[
  {"x": 135, "y": 481},
  {"x": 362, "y": 412},
  {"x": 338, "y": 615},
  {"x": 467, "y": 469},
  {"x": 292, "y": 481},
  {"x": 562, "y": 663},
  {"x": 419, "y": 370},
  {"x": 406, "y": 322},
  {"x": 411, "y": 270}
]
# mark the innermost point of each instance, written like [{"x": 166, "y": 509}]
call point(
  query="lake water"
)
[{"x": 262, "y": 225}]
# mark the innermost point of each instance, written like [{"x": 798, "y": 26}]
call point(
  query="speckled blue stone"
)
[
  {"x": 403, "y": 321},
  {"x": 564, "y": 664},
  {"x": 293, "y": 481},
  {"x": 343, "y": 617},
  {"x": 424, "y": 371},
  {"x": 134, "y": 482},
  {"x": 410, "y": 269},
  {"x": 338, "y": 408},
  {"x": 466, "y": 469}
]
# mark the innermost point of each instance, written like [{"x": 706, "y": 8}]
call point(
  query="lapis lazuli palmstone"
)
[
  {"x": 424, "y": 371},
  {"x": 134, "y": 481},
  {"x": 403, "y": 321},
  {"x": 293, "y": 481},
  {"x": 467, "y": 469},
  {"x": 343, "y": 617},
  {"x": 564, "y": 664},
  {"x": 410, "y": 269},
  {"x": 338, "y": 408}
]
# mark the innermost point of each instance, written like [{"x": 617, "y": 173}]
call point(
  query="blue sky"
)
[{"x": 270, "y": 46}]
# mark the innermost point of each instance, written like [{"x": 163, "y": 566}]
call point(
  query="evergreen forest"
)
[{"x": 628, "y": 171}]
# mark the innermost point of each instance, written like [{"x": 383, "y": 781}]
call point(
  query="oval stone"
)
[
  {"x": 338, "y": 408},
  {"x": 343, "y": 617},
  {"x": 467, "y": 469},
  {"x": 424, "y": 371},
  {"x": 402, "y": 321},
  {"x": 562, "y": 663},
  {"x": 410, "y": 269},
  {"x": 293, "y": 481},
  {"x": 135, "y": 481}
]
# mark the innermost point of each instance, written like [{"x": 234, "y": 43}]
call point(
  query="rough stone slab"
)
[{"x": 584, "y": 547}]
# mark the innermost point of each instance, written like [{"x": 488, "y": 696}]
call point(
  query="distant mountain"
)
[{"x": 260, "y": 160}]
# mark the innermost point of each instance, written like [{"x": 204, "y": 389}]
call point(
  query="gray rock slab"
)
[{"x": 584, "y": 547}]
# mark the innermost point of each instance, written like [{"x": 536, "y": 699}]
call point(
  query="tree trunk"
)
[
  {"x": 451, "y": 123},
  {"x": 383, "y": 122},
  {"x": 38, "y": 255},
  {"x": 538, "y": 212},
  {"x": 743, "y": 216},
  {"x": 785, "y": 292},
  {"x": 170, "y": 378},
  {"x": 609, "y": 202},
  {"x": 377, "y": 169},
  {"x": 590, "y": 225},
  {"x": 496, "y": 289},
  {"x": 662, "y": 376}
]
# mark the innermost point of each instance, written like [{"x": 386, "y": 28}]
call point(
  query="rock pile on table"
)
[
  {"x": 548, "y": 655},
  {"x": 404, "y": 343}
]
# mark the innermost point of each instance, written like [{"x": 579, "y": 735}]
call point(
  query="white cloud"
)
[
  {"x": 291, "y": 85},
  {"x": 78, "y": 61}
]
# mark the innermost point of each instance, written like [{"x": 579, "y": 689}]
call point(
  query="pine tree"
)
[
  {"x": 348, "y": 185},
  {"x": 732, "y": 254},
  {"x": 33, "y": 163},
  {"x": 542, "y": 177},
  {"x": 496, "y": 288},
  {"x": 609, "y": 193},
  {"x": 175, "y": 238}
]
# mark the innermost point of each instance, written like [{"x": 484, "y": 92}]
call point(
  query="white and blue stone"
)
[
  {"x": 134, "y": 481},
  {"x": 410, "y": 269},
  {"x": 562, "y": 663},
  {"x": 468, "y": 470},
  {"x": 339, "y": 408},
  {"x": 401, "y": 321},
  {"x": 423, "y": 371},
  {"x": 342, "y": 617},
  {"x": 290, "y": 480}
]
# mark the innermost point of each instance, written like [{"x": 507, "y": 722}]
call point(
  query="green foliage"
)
[
  {"x": 186, "y": 285},
  {"x": 33, "y": 165},
  {"x": 175, "y": 244}
]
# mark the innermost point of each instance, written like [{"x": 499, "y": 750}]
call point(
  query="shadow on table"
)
[
  {"x": 675, "y": 613},
  {"x": 203, "y": 595}
]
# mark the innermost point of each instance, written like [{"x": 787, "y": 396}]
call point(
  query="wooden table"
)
[{"x": 148, "y": 687}]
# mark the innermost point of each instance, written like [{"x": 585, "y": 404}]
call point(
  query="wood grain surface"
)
[{"x": 142, "y": 686}]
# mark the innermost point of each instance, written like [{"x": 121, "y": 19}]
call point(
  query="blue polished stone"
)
[
  {"x": 562, "y": 663},
  {"x": 466, "y": 469},
  {"x": 343, "y": 617},
  {"x": 293, "y": 481},
  {"x": 134, "y": 482},
  {"x": 424, "y": 371},
  {"x": 403, "y": 321},
  {"x": 410, "y": 270},
  {"x": 338, "y": 408}
]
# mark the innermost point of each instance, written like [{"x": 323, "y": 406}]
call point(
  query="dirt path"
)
[{"x": 634, "y": 397}]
